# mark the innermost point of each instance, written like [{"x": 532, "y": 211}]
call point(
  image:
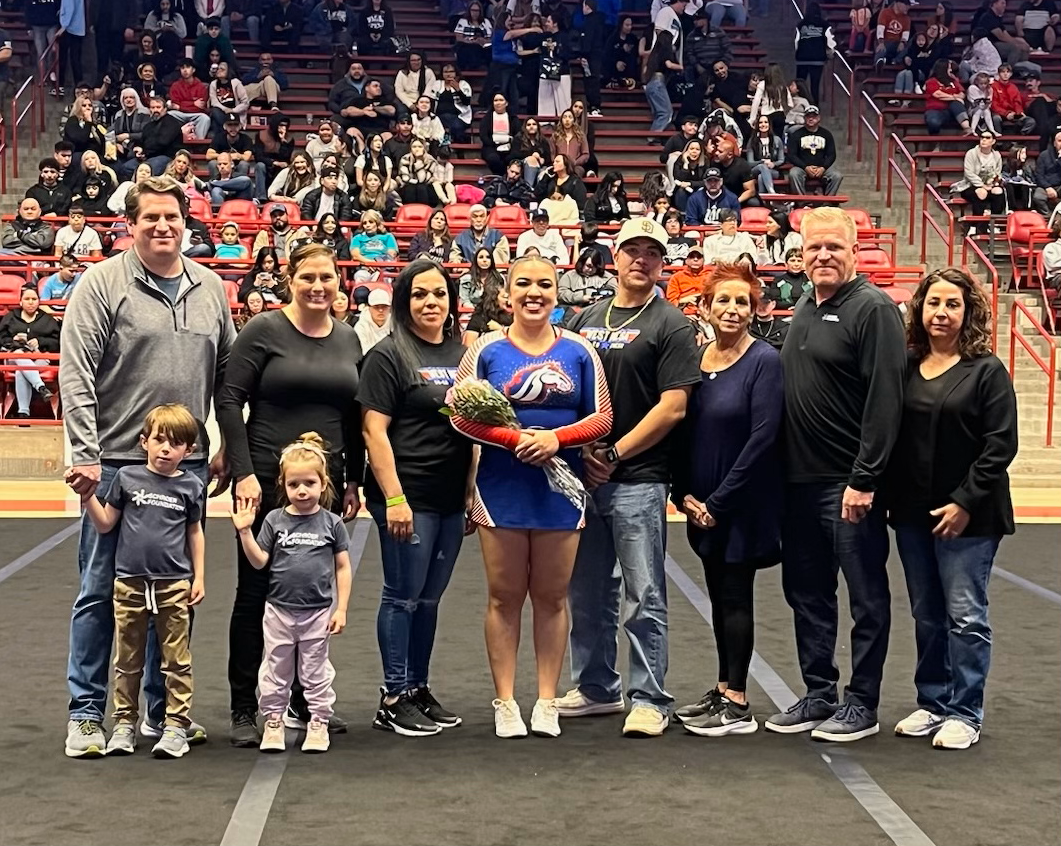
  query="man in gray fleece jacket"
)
[{"x": 143, "y": 328}]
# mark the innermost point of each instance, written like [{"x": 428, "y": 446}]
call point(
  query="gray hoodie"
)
[{"x": 127, "y": 349}]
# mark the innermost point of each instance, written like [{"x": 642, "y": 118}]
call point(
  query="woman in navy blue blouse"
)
[{"x": 728, "y": 484}]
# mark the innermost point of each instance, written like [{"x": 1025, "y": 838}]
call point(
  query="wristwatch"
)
[{"x": 612, "y": 455}]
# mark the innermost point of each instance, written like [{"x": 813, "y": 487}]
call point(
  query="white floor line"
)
[{"x": 40, "y": 549}]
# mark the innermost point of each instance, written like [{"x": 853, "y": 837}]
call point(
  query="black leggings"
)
[
  {"x": 730, "y": 587},
  {"x": 994, "y": 203}
]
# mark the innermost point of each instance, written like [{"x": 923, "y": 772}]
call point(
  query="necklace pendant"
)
[{"x": 711, "y": 376}]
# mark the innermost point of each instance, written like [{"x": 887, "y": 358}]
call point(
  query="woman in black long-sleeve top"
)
[
  {"x": 498, "y": 130},
  {"x": 28, "y": 329},
  {"x": 560, "y": 177},
  {"x": 949, "y": 499},
  {"x": 297, "y": 369},
  {"x": 608, "y": 204}
]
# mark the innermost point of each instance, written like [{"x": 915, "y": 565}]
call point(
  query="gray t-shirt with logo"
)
[
  {"x": 302, "y": 550},
  {"x": 153, "y": 531}
]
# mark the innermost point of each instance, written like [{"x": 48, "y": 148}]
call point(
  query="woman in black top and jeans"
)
[
  {"x": 297, "y": 368},
  {"x": 417, "y": 488},
  {"x": 950, "y": 501}
]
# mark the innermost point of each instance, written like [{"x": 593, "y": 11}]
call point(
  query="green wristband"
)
[{"x": 396, "y": 500}]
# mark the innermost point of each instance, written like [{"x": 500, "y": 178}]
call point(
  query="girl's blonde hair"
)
[{"x": 309, "y": 450}]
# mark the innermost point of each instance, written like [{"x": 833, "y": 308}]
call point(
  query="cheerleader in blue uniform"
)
[{"x": 529, "y": 533}]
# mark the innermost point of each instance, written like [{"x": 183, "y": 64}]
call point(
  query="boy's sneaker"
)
[
  {"x": 575, "y": 703},
  {"x": 243, "y": 732},
  {"x": 174, "y": 744},
  {"x": 298, "y": 718},
  {"x": 432, "y": 708},
  {"x": 545, "y": 721},
  {"x": 645, "y": 721},
  {"x": 85, "y": 739},
  {"x": 273, "y": 737},
  {"x": 725, "y": 718},
  {"x": 921, "y": 723},
  {"x": 508, "y": 722},
  {"x": 851, "y": 722},
  {"x": 195, "y": 733},
  {"x": 805, "y": 715},
  {"x": 316, "y": 737},
  {"x": 699, "y": 709},
  {"x": 403, "y": 717},
  {"x": 955, "y": 734},
  {"x": 123, "y": 740}
]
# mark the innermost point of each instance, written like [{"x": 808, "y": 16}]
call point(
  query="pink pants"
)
[{"x": 289, "y": 633}]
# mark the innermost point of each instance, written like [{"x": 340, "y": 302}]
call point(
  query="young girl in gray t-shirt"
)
[{"x": 305, "y": 546}]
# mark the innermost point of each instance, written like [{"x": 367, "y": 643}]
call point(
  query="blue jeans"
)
[
  {"x": 904, "y": 81},
  {"x": 92, "y": 620},
  {"x": 736, "y": 13},
  {"x": 659, "y": 102},
  {"x": 947, "y": 581},
  {"x": 816, "y": 546},
  {"x": 764, "y": 178},
  {"x": 623, "y": 545},
  {"x": 936, "y": 119},
  {"x": 158, "y": 165},
  {"x": 27, "y": 382},
  {"x": 415, "y": 575},
  {"x": 887, "y": 51},
  {"x": 238, "y": 188}
]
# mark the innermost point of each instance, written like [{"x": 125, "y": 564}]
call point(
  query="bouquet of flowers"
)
[{"x": 481, "y": 402}]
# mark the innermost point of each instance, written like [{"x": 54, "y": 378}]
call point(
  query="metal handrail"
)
[
  {"x": 16, "y": 121},
  {"x": 927, "y": 220},
  {"x": 47, "y": 64},
  {"x": 877, "y": 133},
  {"x": 895, "y": 143},
  {"x": 1050, "y": 369},
  {"x": 992, "y": 273}
]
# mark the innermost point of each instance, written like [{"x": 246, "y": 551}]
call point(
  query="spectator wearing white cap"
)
[
  {"x": 548, "y": 241},
  {"x": 374, "y": 324}
]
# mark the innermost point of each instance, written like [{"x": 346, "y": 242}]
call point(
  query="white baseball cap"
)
[{"x": 642, "y": 227}]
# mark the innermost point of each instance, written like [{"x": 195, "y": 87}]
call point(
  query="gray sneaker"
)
[
  {"x": 123, "y": 740},
  {"x": 196, "y": 734},
  {"x": 725, "y": 717},
  {"x": 851, "y": 722},
  {"x": 174, "y": 744},
  {"x": 805, "y": 715},
  {"x": 85, "y": 739}
]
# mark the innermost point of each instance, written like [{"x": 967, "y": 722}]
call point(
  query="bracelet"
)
[{"x": 396, "y": 500}]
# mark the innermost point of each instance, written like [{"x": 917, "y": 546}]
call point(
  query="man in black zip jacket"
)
[
  {"x": 52, "y": 195},
  {"x": 844, "y": 361}
]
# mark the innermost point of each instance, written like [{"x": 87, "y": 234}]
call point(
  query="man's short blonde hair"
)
[
  {"x": 830, "y": 216},
  {"x": 160, "y": 186}
]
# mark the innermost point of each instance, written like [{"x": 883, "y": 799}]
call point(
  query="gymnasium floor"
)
[{"x": 589, "y": 786}]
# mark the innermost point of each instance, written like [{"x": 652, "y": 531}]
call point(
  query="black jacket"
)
[
  {"x": 43, "y": 327},
  {"x": 486, "y": 133},
  {"x": 200, "y": 233},
  {"x": 162, "y": 137},
  {"x": 974, "y": 440},
  {"x": 813, "y": 149},
  {"x": 574, "y": 188},
  {"x": 703, "y": 49},
  {"x": 52, "y": 200},
  {"x": 602, "y": 212},
  {"x": 511, "y": 192},
  {"x": 311, "y": 202}
]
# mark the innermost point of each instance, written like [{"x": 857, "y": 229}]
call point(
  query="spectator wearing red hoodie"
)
[
  {"x": 1007, "y": 104},
  {"x": 187, "y": 100}
]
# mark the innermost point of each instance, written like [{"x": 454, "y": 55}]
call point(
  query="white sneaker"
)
[
  {"x": 507, "y": 720},
  {"x": 316, "y": 737},
  {"x": 545, "y": 721},
  {"x": 273, "y": 739},
  {"x": 575, "y": 703},
  {"x": 921, "y": 723},
  {"x": 955, "y": 734},
  {"x": 645, "y": 721}
]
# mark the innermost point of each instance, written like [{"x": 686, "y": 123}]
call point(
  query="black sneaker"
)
[
  {"x": 807, "y": 714},
  {"x": 243, "y": 732},
  {"x": 403, "y": 718},
  {"x": 45, "y": 393},
  {"x": 431, "y": 708},
  {"x": 698, "y": 709},
  {"x": 298, "y": 718},
  {"x": 724, "y": 718},
  {"x": 850, "y": 722}
]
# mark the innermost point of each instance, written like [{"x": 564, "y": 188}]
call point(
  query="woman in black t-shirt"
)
[
  {"x": 417, "y": 489},
  {"x": 297, "y": 369}
]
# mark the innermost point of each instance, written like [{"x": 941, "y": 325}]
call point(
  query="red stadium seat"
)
[
  {"x": 861, "y": 218},
  {"x": 458, "y": 216},
  {"x": 1019, "y": 228},
  {"x": 294, "y": 211},
  {"x": 508, "y": 216},
  {"x": 238, "y": 210},
  {"x": 11, "y": 289},
  {"x": 794, "y": 217},
  {"x": 872, "y": 259},
  {"x": 898, "y": 294},
  {"x": 122, "y": 244},
  {"x": 754, "y": 216},
  {"x": 413, "y": 215},
  {"x": 232, "y": 289},
  {"x": 200, "y": 209}
]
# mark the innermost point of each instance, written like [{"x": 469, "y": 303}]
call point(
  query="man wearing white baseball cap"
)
[{"x": 648, "y": 349}]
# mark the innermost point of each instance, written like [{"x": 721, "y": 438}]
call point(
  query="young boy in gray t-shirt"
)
[{"x": 157, "y": 509}]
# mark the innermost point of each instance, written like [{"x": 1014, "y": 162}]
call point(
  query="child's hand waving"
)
[
  {"x": 243, "y": 516},
  {"x": 337, "y": 623}
]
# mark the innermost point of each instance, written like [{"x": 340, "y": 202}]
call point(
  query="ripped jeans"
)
[{"x": 415, "y": 575}]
